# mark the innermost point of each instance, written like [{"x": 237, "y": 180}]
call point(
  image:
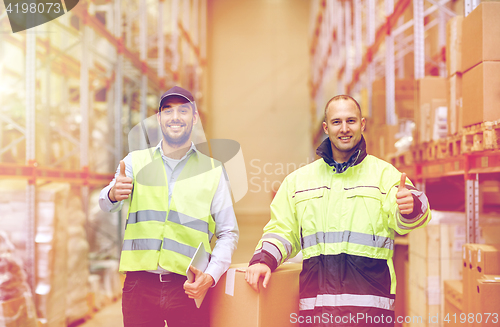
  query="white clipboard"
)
[{"x": 199, "y": 261}]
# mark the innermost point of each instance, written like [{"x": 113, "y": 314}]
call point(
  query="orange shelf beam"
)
[
  {"x": 33, "y": 172},
  {"x": 481, "y": 162},
  {"x": 87, "y": 19}
]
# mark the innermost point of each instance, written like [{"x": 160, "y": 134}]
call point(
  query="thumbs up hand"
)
[
  {"x": 404, "y": 197},
  {"x": 123, "y": 185}
]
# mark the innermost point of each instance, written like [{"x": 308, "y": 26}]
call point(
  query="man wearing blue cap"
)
[{"x": 179, "y": 198}]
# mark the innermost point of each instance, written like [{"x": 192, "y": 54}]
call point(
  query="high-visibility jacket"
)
[
  {"x": 167, "y": 235},
  {"x": 344, "y": 223}
]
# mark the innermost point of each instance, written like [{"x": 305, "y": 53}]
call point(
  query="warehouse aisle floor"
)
[
  {"x": 109, "y": 316},
  {"x": 250, "y": 233}
]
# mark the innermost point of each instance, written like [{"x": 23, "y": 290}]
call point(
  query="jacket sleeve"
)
[
  {"x": 281, "y": 238},
  {"x": 421, "y": 215}
]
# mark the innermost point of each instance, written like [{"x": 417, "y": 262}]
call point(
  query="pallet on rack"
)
[
  {"x": 480, "y": 137},
  {"x": 454, "y": 145},
  {"x": 401, "y": 159}
]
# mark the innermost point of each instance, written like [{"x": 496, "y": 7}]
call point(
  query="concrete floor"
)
[{"x": 250, "y": 233}]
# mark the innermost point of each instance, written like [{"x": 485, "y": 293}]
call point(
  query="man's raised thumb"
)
[
  {"x": 122, "y": 168},
  {"x": 402, "y": 183}
]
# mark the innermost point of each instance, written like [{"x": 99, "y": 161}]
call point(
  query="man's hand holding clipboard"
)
[{"x": 198, "y": 282}]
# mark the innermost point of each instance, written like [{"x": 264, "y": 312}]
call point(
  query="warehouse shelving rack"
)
[
  {"x": 179, "y": 45},
  {"x": 341, "y": 47}
]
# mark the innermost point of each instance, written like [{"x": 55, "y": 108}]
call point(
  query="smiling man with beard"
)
[
  {"x": 179, "y": 198},
  {"x": 342, "y": 212}
]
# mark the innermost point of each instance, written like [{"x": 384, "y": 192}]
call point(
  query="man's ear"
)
[
  {"x": 195, "y": 117},
  {"x": 325, "y": 128},
  {"x": 363, "y": 124}
]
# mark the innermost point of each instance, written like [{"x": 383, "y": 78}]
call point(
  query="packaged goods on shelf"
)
[
  {"x": 13, "y": 204},
  {"x": 97, "y": 298},
  {"x": 59, "y": 287},
  {"x": 481, "y": 97},
  {"x": 433, "y": 120},
  {"x": 52, "y": 253},
  {"x": 78, "y": 250},
  {"x": 404, "y": 94},
  {"x": 234, "y": 303},
  {"x": 453, "y": 297},
  {"x": 480, "y": 41},
  {"x": 381, "y": 140},
  {"x": 487, "y": 292},
  {"x": 427, "y": 89},
  {"x": 455, "y": 104},
  {"x": 468, "y": 251},
  {"x": 110, "y": 282},
  {"x": 454, "y": 45},
  {"x": 434, "y": 256},
  {"x": 103, "y": 227},
  {"x": 16, "y": 302},
  {"x": 479, "y": 260},
  {"x": 438, "y": 119}
]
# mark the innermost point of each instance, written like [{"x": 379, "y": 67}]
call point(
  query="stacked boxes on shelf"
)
[
  {"x": 61, "y": 248},
  {"x": 381, "y": 137},
  {"x": 51, "y": 254},
  {"x": 16, "y": 302},
  {"x": 434, "y": 257},
  {"x": 481, "y": 284},
  {"x": 77, "y": 263},
  {"x": 488, "y": 304},
  {"x": 453, "y": 299},
  {"x": 430, "y": 98},
  {"x": 481, "y": 64}
]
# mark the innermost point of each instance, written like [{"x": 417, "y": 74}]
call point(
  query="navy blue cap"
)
[{"x": 177, "y": 91}]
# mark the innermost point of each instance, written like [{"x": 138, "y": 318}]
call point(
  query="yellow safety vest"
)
[{"x": 159, "y": 234}]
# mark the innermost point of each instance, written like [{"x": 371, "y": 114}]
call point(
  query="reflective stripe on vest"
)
[
  {"x": 182, "y": 219},
  {"x": 141, "y": 244},
  {"x": 286, "y": 244},
  {"x": 146, "y": 215},
  {"x": 342, "y": 300},
  {"x": 350, "y": 237},
  {"x": 177, "y": 247}
]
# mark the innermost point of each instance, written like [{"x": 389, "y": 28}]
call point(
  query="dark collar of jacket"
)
[{"x": 325, "y": 152}]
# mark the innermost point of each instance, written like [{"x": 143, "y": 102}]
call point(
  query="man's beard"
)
[{"x": 177, "y": 141}]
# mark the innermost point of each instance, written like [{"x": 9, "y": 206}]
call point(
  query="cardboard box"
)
[
  {"x": 481, "y": 93},
  {"x": 378, "y": 108},
  {"x": 438, "y": 119},
  {"x": 234, "y": 303},
  {"x": 453, "y": 302},
  {"x": 454, "y": 45},
  {"x": 455, "y": 104},
  {"x": 404, "y": 94},
  {"x": 387, "y": 138},
  {"x": 488, "y": 290},
  {"x": 480, "y": 41},
  {"x": 427, "y": 89},
  {"x": 469, "y": 250},
  {"x": 434, "y": 256},
  {"x": 485, "y": 261},
  {"x": 433, "y": 125}
]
